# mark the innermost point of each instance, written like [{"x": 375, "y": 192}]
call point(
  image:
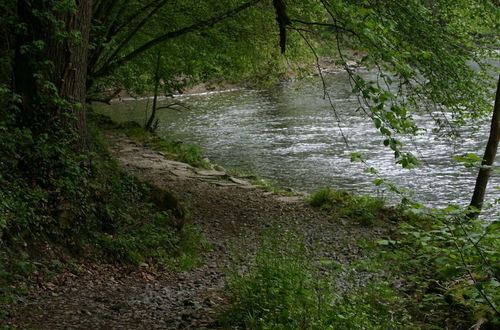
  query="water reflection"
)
[{"x": 290, "y": 133}]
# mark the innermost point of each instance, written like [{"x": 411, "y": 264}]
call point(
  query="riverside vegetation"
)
[
  {"x": 65, "y": 202},
  {"x": 417, "y": 279},
  {"x": 101, "y": 211},
  {"x": 429, "y": 271}
]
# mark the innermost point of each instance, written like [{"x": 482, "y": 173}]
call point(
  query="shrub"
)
[
  {"x": 54, "y": 201},
  {"x": 283, "y": 289}
]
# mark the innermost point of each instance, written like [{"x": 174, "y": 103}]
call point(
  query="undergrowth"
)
[
  {"x": 283, "y": 288},
  {"x": 449, "y": 266},
  {"x": 445, "y": 263},
  {"x": 56, "y": 204}
]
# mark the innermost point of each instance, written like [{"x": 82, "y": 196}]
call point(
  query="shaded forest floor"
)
[{"x": 231, "y": 215}]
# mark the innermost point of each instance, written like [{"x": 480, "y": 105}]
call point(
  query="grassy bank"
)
[{"x": 428, "y": 271}]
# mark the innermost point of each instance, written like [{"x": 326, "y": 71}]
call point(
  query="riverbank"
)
[
  {"x": 231, "y": 216},
  {"x": 339, "y": 237}
]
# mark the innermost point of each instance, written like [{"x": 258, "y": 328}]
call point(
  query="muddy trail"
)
[{"x": 231, "y": 214}]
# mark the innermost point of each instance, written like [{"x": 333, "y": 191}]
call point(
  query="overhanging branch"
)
[{"x": 170, "y": 35}]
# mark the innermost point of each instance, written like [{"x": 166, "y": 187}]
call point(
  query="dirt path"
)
[{"x": 231, "y": 214}]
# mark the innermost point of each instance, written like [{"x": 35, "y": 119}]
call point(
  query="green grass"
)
[
  {"x": 156, "y": 242},
  {"x": 175, "y": 150},
  {"x": 366, "y": 210},
  {"x": 283, "y": 288}
]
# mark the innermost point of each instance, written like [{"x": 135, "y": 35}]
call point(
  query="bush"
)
[
  {"x": 450, "y": 262},
  {"x": 55, "y": 202},
  {"x": 283, "y": 289}
]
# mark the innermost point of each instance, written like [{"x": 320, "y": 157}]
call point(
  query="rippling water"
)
[{"x": 290, "y": 134}]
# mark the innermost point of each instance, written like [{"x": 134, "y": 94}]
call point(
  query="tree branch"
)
[
  {"x": 336, "y": 26},
  {"x": 170, "y": 35},
  {"x": 137, "y": 28}
]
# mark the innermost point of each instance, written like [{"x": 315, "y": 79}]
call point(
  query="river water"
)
[{"x": 290, "y": 134}]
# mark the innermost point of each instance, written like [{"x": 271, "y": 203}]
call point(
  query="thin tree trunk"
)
[
  {"x": 484, "y": 174},
  {"x": 149, "y": 124}
]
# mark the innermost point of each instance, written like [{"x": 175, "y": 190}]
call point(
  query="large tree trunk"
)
[
  {"x": 57, "y": 61},
  {"x": 488, "y": 159}
]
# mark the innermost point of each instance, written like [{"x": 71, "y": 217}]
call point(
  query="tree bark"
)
[
  {"x": 149, "y": 124},
  {"x": 484, "y": 174},
  {"x": 60, "y": 62}
]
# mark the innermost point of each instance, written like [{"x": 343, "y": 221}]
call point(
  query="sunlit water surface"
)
[{"x": 289, "y": 133}]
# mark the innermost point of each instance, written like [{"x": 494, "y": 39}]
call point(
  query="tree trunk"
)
[
  {"x": 56, "y": 61},
  {"x": 484, "y": 174},
  {"x": 149, "y": 124}
]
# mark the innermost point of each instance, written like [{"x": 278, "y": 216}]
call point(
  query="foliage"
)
[
  {"x": 431, "y": 58},
  {"x": 86, "y": 206},
  {"x": 158, "y": 241},
  {"x": 447, "y": 265},
  {"x": 464, "y": 256},
  {"x": 342, "y": 205},
  {"x": 283, "y": 289},
  {"x": 238, "y": 49}
]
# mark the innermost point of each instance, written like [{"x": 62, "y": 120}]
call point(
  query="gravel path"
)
[{"x": 231, "y": 214}]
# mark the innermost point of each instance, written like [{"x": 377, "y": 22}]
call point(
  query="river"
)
[{"x": 290, "y": 134}]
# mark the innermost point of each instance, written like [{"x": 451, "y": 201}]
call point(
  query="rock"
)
[
  {"x": 225, "y": 184},
  {"x": 152, "y": 156},
  {"x": 249, "y": 187},
  {"x": 352, "y": 64},
  {"x": 239, "y": 181},
  {"x": 289, "y": 199},
  {"x": 183, "y": 174},
  {"x": 211, "y": 173},
  {"x": 176, "y": 164},
  {"x": 219, "y": 168},
  {"x": 131, "y": 149}
]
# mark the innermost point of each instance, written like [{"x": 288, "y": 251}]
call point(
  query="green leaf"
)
[
  {"x": 385, "y": 131},
  {"x": 356, "y": 157},
  {"x": 452, "y": 208},
  {"x": 468, "y": 158}
]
